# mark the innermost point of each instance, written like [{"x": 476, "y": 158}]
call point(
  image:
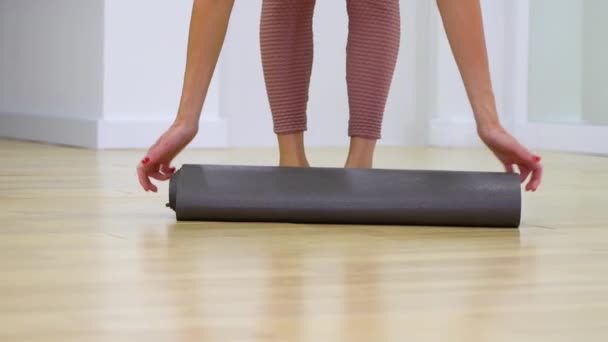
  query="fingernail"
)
[
  {"x": 146, "y": 160},
  {"x": 172, "y": 170},
  {"x": 536, "y": 159}
]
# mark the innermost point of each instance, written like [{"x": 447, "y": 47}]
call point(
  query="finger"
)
[
  {"x": 509, "y": 168},
  {"x": 159, "y": 176},
  {"x": 154, "y": 154},
  {"x": 167, "y": 169},
  {"x": 146, "y": 160},
  {"x": 531, "y": 160},
  {"x": 535, "y": 180},
  {"x": 162, "y": 151},
  {"x": 524, "y": 172},
  {"x": 144, "y": 181},
  {"x": 535, "y": 162},
  {"x": 153, "y": 161},
  {"x": 148, "y": 166}
]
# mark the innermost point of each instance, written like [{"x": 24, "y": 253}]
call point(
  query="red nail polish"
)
[
  {"x": 146, "y": 160},
  {"x": 172, "y": 170}
]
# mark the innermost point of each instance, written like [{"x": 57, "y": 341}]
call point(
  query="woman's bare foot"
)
[
  {"x": 361, "y": 153},
  {"x": 291, "y": 150}
]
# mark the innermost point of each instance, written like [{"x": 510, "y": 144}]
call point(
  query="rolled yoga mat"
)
[{"x": 345, "y": 196}]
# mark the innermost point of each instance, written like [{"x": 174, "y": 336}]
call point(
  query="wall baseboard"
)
[
  {"x": 49, "y": 129},
  {"x": 582, "y": 138},
  {"x": 104, "y": 133},
  {"x": 138, "y": 133},
  {"x": 453, "y": 133},
  {"x": 142, "y": 133},
  {"x": 567, "y": 137}
]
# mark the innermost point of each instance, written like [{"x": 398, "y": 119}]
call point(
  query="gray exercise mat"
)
[{"x": 345, "y": 196}]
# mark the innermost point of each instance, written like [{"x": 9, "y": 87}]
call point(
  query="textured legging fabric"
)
[{"x": 286, "y": 35}]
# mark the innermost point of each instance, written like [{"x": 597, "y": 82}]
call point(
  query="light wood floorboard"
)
[{"x": 85, "y": 255}]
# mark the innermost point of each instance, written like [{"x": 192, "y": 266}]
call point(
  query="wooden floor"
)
[{"x": 86, "y": 256}]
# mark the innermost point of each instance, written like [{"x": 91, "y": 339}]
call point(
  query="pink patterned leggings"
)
[{"x": 287, "y": 54}]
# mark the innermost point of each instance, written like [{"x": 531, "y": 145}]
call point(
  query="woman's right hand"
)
[
  {"x": 157, "y": 162},
  {"x": 510, "y": 152}
]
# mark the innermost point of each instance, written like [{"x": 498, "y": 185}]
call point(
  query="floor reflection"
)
[{"x": 271, "y": 282}]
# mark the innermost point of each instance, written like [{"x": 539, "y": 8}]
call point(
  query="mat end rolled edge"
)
[{"x": 173, "y": 185}]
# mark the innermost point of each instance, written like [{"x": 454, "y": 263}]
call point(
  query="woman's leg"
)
[
  {"x": 373, "y": 46},
  {"x": 286, "y": 38}
]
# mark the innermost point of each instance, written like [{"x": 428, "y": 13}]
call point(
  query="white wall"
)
[
  {"x": 51, "y": 70},
  {"x": 243, "y": 99},
  {"x": 144, "y": 70},
  {"x": 452, "y": 122},
  {"x": 108, "y": 73},
  {"x": 51, "y": 58},
  {"x": 549, "y": 134},
  {"x": 145, "y": 54},
  {"x": 134, "y": 64},
  {"x": 96, "y": 73},
  {"x": 3, "y": 51},
  {"x": 568, "y": 62},
  {"x": 145, "y": 44},
  {"x": 595, "y": 62},
  {"x": 555, "y": 65}
]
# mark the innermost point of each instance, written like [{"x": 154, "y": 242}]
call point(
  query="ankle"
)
[
  {"x": 291, "y": 162},
  {"x": 361, "y": 153},
  {"x": 295, "y": 159},
  {"x": 291, "y": 150},
  {"x": 358, "y": 164}
]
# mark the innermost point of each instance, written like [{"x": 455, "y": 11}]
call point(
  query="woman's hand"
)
[
  {"x": 510, "y": 152},
  {"x": 157, "y": 163}
]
